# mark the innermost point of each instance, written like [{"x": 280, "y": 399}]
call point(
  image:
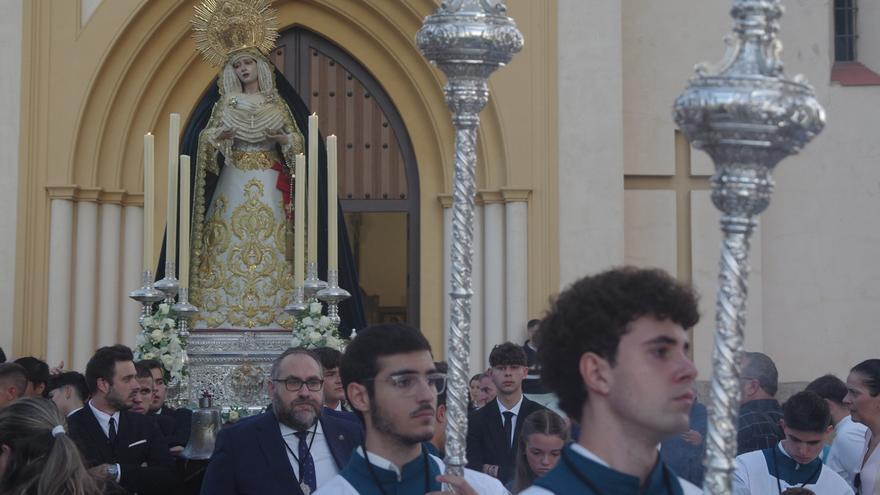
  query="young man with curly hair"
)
[{"x": 614, "y": 349}]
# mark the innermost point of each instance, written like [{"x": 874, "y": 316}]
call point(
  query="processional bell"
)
[{"x": 206, "y": 424}]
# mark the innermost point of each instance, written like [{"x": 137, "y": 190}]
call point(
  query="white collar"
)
[
  {"x": 287, "y": 431},
  {"x": 514, "y": 409},
  {"x": 75, "y": 410},
  {"x": 580, "y": 449},
  {"x": 380, "y": 462},
  {"x": 843, "y": 422},
  {"x": 103, "y": 417}
]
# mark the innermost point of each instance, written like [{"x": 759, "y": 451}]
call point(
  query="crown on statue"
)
[{"x": 224, "y": 27}]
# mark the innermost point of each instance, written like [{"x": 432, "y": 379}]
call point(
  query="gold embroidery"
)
[
  {"x": 244, "y": 279},
  {"x": 254, "y": 160}
]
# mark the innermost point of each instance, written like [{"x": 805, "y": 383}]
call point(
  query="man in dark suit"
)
[
  {"x": 493, "y": 430},
  {"x": 293, "y": 449},
  {"x": 177, "y": 439},
  {"x": 124, "y": 448}
]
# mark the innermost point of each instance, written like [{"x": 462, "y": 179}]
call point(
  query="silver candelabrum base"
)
[
  {"x": 313, "y": 284},
  {"x": 333, "y": 295},
  {"x": 168, "y": 285},
  {"x": 299, "y": 305},
  {"x": 147, "y": 295}
]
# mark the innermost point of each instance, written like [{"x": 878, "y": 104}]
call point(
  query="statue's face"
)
[{"x": 246, "y": 70}]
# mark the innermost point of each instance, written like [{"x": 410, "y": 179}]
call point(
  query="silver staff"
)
[
  {"x": 747, "y": 116},
  {"x": 467, "y": 40}
]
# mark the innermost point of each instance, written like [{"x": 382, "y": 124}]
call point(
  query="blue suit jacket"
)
[{"x": 250, "y": 457}]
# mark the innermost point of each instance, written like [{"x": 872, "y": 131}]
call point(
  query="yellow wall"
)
[{"x": 89, "y": 92}]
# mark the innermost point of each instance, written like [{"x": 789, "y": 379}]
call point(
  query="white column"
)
[
  {"x": 516, "y": 273},
  {"x": 132, "y": 260},
  {"x": 108, "y": 271},
  {"x": 493, "y": 270},
  {"x": 60, "y": 274},
  {"x": 85, "y": 284},
  {"x": 478, "y": 356},
  {"x": 447, "y": 268}
]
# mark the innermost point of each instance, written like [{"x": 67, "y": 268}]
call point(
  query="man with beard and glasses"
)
[
  {"x": 125, "y": 449},
  {"x": 392, "y": 383},
  {"x": 295, "y": 448}
]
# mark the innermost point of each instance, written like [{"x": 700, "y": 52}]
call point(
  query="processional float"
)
[
  {"x": 233, "y": 364},
  {"x": 747, "y": 116},
  {"x": 467, "y": 40}
]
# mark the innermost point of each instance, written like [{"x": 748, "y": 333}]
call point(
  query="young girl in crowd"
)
[
  {"x": 36, "y": 455},
  {"x": 544, "y": 434}
]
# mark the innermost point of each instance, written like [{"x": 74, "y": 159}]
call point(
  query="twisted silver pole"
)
[
  {"x": 747, "y": 116},
  {"x": 467, "y": 40}
]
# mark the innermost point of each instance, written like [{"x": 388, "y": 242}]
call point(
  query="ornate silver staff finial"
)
[
  {"x": 747, "y": 116},
  {"x": 467, "y": 40}
]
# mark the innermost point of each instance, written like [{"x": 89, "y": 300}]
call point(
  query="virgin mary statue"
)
[{"x": 244, "y": 137}]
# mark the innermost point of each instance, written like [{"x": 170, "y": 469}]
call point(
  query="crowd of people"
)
[{"x": 613, "y": 350}]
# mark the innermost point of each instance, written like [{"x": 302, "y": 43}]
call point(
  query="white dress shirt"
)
[
  {"x": 514, "y": 419},
  {"x": 104, "y": 422},
  {"x": 325, "y": 465},
  {"x": 104, "y": 419},
  {"x": 846, "y": 451},
  {"x": 870, "y": 469}
]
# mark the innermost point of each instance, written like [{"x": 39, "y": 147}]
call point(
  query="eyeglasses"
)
[
  {"x": 295, "y": 384},
  {"x": 407, "y": 383}
]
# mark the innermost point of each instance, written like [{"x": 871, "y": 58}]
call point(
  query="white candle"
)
[
  {"x": 149, "y": 149},
  {"x": 313, "y": 188},
  {"x": 332, "y": 229},
  {"x": 184, "y": 222},
  {"x": 171, "y": 213},
  {"x": 299, "y": 218}
]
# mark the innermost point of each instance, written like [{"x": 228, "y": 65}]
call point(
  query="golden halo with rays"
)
[{"x": 223, "y": 27}]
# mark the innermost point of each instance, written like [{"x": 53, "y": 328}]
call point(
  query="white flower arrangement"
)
[
  {"x": 159, "y": 340},
  {"x": 314, "y": 330}
]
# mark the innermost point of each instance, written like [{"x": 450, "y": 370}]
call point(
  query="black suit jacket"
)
[
  {"x": 250, "y": 457},
  {"x": 175, "y": 425},
  {"x": 141, "y": 451},
  {"x": 485, "y": 439}
]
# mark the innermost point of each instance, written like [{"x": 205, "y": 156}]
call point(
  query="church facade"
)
[{"x": 580, "y": 167}]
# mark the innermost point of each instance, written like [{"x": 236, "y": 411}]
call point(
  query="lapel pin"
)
[{"x": 341, "y": 437}]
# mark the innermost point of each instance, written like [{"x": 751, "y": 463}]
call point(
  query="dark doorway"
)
[{"x": 378, "y": 174}]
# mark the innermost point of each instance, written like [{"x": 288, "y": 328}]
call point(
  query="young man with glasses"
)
[
  {"x": 392, "y": 384},
  {"x": 794, "y": 462},
  {"x": 294, "y": 449},
  {"x": 493, "y": 431}
]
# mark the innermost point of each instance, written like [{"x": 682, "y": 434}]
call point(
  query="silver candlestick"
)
[
  {"x": 333, "y": 295},
  {"x": 169, "y": 285},
  {"x": 147, "y": 296},
  {"x": 185, "y": 312},
  {"x": 467, "y": 40},
  {"x": 747, "y": 116},
  {"x": 299, "y": 305},
  {"x": 312, "y": 284}
]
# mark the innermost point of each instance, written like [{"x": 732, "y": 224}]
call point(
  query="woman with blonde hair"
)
[
  {"x": 544, "y": 434},
  {"x": 36, "y": 455}
]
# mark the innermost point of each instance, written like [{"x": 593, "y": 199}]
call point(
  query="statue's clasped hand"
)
[{"x": 278, "y": 136}]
